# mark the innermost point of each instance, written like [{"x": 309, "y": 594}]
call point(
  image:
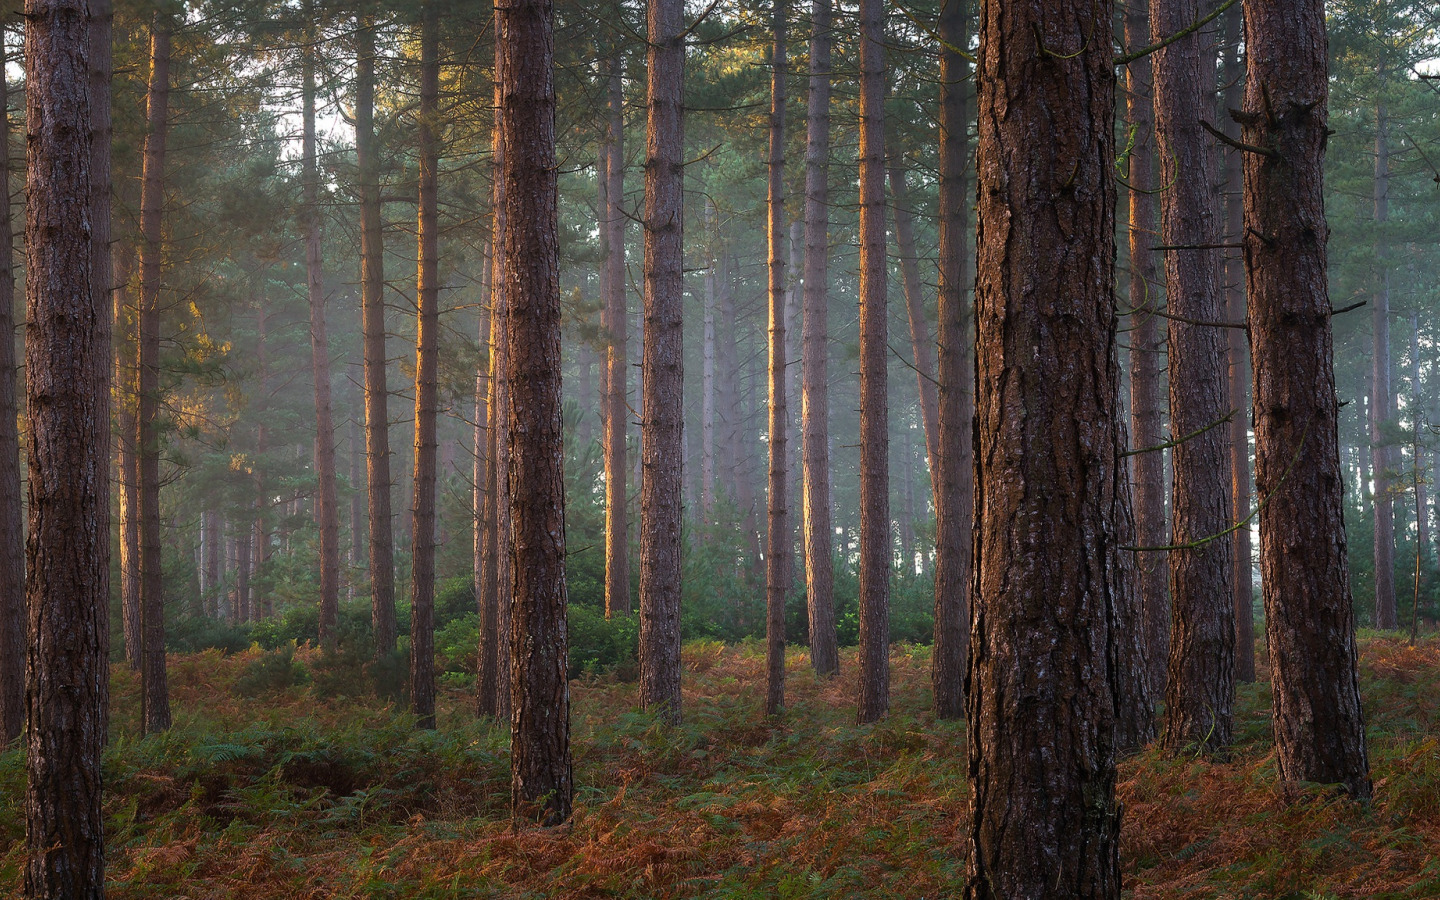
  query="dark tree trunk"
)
[
  {"x": 68, "y": 405},
  {"x": 327, "y": 511},
  {"x": 815, "y": 403},
  {"x": 663, "y": 370},
  {"x": 1049, "y": 477},
  {"x": 1381, "y": 401},
  {"x": 155, "y": 699},
  {"x": 875, "y": 544},
  {"x": 1146, "y": 354},
  {"x": 372, "y": 289},
  {"x": 778, "y": 543},
  {"x": 540, "y": 770},
  {"x": 427, "y": 292},
  {"x": 1309, "y": 620},
  {"x": 1200, "y": 690},
  {"x": 12, "y": 536},
  {"x": 954, "y": 497},
  {"x": 1243, "y": 579},
  {"x": 612, "y": 235}
]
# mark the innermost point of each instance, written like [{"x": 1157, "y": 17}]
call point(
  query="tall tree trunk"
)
[
  {"x": 612, "y": 233},
  {"x": 372, "y": 289},
  {"x": 1147, "y": 467},
  {"x": 1309, "y": 619},
  {"x": 357, "y": 497},
  {"x": 955, "y": 496},
  {"x": 67, "y": 353},
  {"x": 127, "y": 464},
  {"x": 663, "y": 370},
  {"x": 1044, "y": 821},
  {"x": 920, "y": 341},
  {"x": 155, "y": 700},
  {"x": 540, "y": 770},
  {"x": 875, "y": 546},
  {"x": 328, "y": 513},
  {"x": 778, "y": 542},
  {"x": 12, "y": 536},
  {"x": 1382, "y": 404},
  {"x": 427, "y": 293},
  {"x": 485, "y": 430},
  {"x": 500, "y": 445},
  {"x": 1200, "y": 690},
  {"x": 1419, "y": 422}
]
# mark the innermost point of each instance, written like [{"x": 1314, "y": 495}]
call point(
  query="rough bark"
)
[
  {"x": 500, "y": 442},
  {"x": 1049, "y": 477},
  {"x": 612, "y": 234},
  {"x": 1310, "y": 625},
  {"x": 326, "y": 509},
  {"x": 875, "y": 543},
  {"x": 540, "y": 770},
  {"x": 1382, "y": 404},
  {"x": 12, "y": 537},
  {"x": 778, "y": 539},
  {"x": 663, "y": 367},
  {"x": 127, "y": 465},
  {"x": 1200, "y": 689},
  {"x": 1239, "y": 381},
  {"x": 372, "y": 302},
  {"x": 427, "y": 294},
  {"x": 155, "y": 700},
  {"x": 484, "y": 497},
  {"x": 921, "y": 344},
  {"x": 68, "y": 362},
  {"x": 1147, "y": 344},
  {"x": 955, "y": 495}
]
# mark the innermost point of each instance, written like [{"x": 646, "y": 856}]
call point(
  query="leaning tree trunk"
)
[
  {"x": 815, "y": 401},
  {"x": 327, "y": 511},
  {"x": 12, "y": 537},
  {"x": 67, "y": 363},
  {"x": 372, "y": 301},
  {"x": 540, "y": 770},
  {"x": 779, "y": 541},
  {"x": 954, "y": 498},
  {"x": 1309, "y": 619},
  {"x": 1146, "y": 353},
  {"x": 1049, "y": 477},
  {"x": 1200, "y": 689},
  {"x": 427, "y": 294},
  {"x": 155, "y": 699},
  {"x": 612, "y": 234},
  {"x": 663, "y": 369},
  {"x": 1243, "y": 584},
  {"x": 1381, "y": 400},
  {"x": 875, "y": 544}
]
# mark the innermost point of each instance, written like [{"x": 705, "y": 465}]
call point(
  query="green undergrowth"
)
[{"x": 267, "y": 788}]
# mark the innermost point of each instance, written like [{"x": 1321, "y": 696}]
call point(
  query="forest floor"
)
[{"x": 284, "y": 795}]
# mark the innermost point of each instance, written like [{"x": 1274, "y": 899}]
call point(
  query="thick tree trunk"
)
[
  {"x": 68, "y": 407},
  {"x": 1200, "y": 690},
  {"x": 954, "y": 496},
  {"x": 612, "y": 234},
  {"x": 778, "y": 540},
  {"x": 427, "y": 293},
  {"x": 875, "y": 545},
  {"x": 1048, "y": 472},
  {"x": 921, "y": 344},
  {"x": 1310, "y": 624},
  {"x": 155, "y": 700},
  {"x": 663, "y": 370},
  {"x": 1234, "y": 272},
  {"x": 12, "y": 536},
  {"x": 540, "y": 770},
  {"x": 1146, "y": 354},
  {"x": 500, "y": 441},
  {"x": 328, "y": 513},
  {"x": 1382, "y": 404},
  {"x": 372, "y": 289}
]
